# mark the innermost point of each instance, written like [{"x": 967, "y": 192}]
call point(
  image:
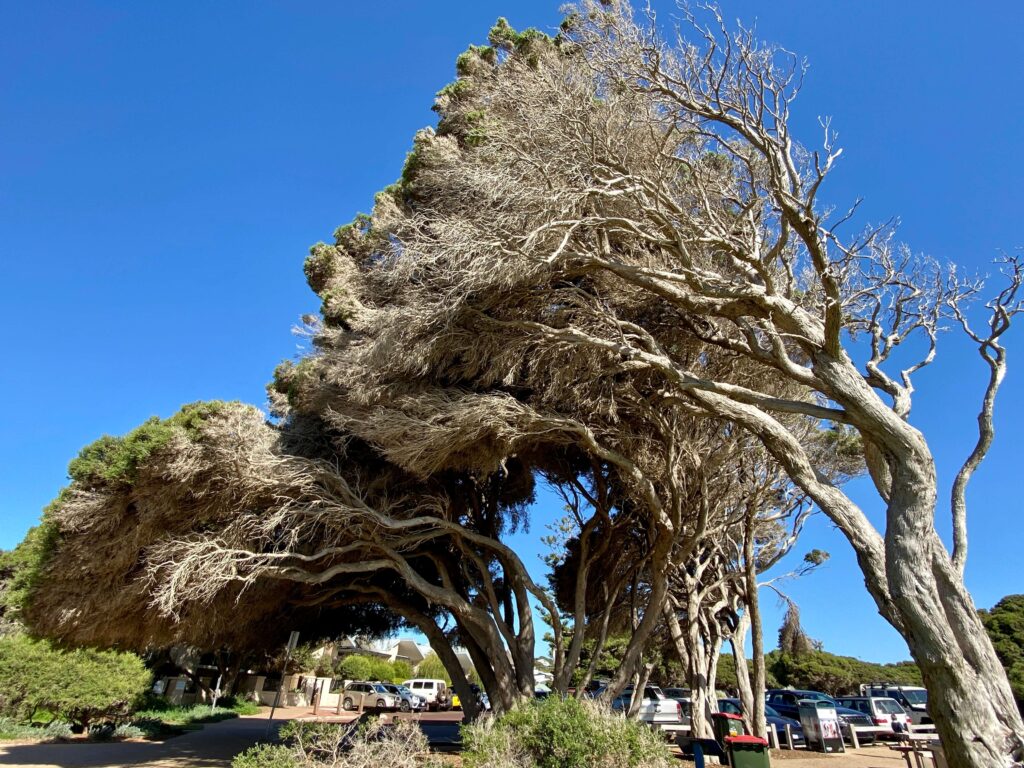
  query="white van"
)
[{"x": 434, "y": 691}]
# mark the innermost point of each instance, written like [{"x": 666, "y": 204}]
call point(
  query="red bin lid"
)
[
  {"x": 727, "y": 715},
  {"x": 746, "y": 740}
]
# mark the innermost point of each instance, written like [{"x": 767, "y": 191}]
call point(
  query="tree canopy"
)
[{"x": 608, "y": 266}]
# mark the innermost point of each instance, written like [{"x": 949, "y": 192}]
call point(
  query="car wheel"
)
[
  {"x": 381, "y": 704},
  {"x": 348, "y": 704},
  {"x": 404, "y": 706}
]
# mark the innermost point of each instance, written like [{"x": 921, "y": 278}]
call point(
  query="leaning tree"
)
[{"x": 572, "y": 181}]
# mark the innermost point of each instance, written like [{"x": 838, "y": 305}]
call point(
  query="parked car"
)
[
  {"x": 434, "y": 691},
  {"x": 913, "y": 698},
  {"x": 655, "y": 707},
  {"x": 410, "y": 702},
  {"x": 682, "y": 695},
  {"x": 369, "y": 696},
  {"x": 787, "y": 703},
  {"x": 883, "y": 711},
  {"x": 484, "y": 701},
  {"x": 773, "y": 718}
]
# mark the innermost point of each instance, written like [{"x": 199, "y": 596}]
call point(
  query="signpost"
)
[{"x": 293, "y": 641}]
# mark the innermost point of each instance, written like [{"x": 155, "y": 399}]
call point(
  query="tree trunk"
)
[
  {"x": 759, "y": 726},
  {"x": 924, "y": 598},
  {"x": 739, "y": 657},
  {"x": 638, "y": 691},
  {"x": 969, "y": 697}
]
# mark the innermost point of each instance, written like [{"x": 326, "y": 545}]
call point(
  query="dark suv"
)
[{"x": 787, "y": 704}]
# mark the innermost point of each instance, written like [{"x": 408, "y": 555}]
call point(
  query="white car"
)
[{"x": 655, "y": 707}]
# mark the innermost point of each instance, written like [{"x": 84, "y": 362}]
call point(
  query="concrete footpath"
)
[{"x": 211, "y": 747}]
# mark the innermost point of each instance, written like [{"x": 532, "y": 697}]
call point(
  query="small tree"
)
[{"x": 431, "y": 667}]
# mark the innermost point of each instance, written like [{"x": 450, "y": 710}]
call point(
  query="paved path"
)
[{"x": 211, "y": 747}]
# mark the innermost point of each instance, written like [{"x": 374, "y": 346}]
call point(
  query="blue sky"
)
[{"x": 164, "y": 168}]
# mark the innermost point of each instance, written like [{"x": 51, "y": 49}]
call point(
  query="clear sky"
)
[{"x": 165, "y": 166}]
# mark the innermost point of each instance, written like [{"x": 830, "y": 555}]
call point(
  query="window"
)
[
  {"x": 337, "y": 684},
  {"x": 728, "y": 706},
  {"x": 417, "y": 684},
  {"x": 271, "y": 683},
  {"x": 888, "y": 707}
]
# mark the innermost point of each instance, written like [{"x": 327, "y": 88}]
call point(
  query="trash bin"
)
[
  {"x": 725, "y": 724},
  {"x": 821, "y": 726},
  {"x": 747, "y": 752}
]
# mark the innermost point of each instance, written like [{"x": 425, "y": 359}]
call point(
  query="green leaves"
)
[
  {"x": 116, "y": 460},
  {"x": 81, "y": 685},
  {"x": 1005, "y": 626}
]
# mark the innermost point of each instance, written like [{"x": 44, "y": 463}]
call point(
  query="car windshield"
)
[
  {"x": 769, "y": 712},
  {"x": 813, "y": 696},
  {"x": 888, "y": 707},
  {"x": 403, "y": 689},
  {"x": 916, "y": 697},
  {"x": 379, "y": 688}
]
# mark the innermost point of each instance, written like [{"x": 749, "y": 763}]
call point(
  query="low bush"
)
[
  {"x": 562, "y": 733},
  {"x": 368, "y": 744},
  {"x": 57, "y": 730},
  {"x": 53, "y": 731},
  {"x": 127, "y": 731},
  {"x": 267, "y": 756}
]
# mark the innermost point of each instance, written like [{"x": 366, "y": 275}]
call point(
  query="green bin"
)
[
  {"x": 747, "y": 752},
  {"x": 726, "y": 724}
]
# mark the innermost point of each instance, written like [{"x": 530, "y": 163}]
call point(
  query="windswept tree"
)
[
  {"x": 642, "y": 204},
  {"x": 611, "y": 246}
]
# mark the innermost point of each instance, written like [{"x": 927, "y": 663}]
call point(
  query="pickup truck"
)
[{"x": 655, "y": 707}]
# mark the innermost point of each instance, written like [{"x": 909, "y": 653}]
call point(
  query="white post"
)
[
  {"x": 773, "y": 736},
  {"x": 853, "y": 736},
  {"x": 789, "y": 736}
]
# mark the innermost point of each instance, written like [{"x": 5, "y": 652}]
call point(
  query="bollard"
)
[
  {"x": 789, "y": 736},
  {"x": 773, "y": 737},
  {"x": 854, "y": 741}
]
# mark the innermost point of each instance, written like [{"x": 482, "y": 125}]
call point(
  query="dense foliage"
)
[
  {"x": 1005, "y": 625},
  {"x": 562, "y": 733},
  {"x": 80, "y": 686},
  {"x": 359, "y": 667},
  {"x": 836, "y": 675},
  {"x": 369, "y": 744}
]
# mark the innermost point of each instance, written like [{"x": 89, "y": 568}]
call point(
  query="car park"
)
[
  {"x": 360, "y": 695},
  {"x": 410, "y": 702},
  {"x": 773, "y": 718},
  {"x": 655, "y": 707},
  {"x": 787, "y": 703},
  {"x": 886, "y": 713}
]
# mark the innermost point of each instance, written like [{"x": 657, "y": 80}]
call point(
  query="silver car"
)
[
  {"x": 410, "y": 702},
  {"x": 369, "y": 696}
]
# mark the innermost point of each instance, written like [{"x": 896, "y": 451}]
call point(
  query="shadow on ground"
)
[{"x": 211, "y": 747}]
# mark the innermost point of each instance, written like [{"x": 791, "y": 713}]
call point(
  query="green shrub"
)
[
  {"x": 562, "y": 733},
  {"x": 80, "y": 686},
  {"x": 53, "y": 731},
  {"x": 126, "y": 731},
  {"x": 267, "y": 756},
  {"x": 191, "y": 715},
  {"x": 57, "y": 730}
]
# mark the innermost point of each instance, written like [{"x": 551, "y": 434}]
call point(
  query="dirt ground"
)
[{"x": 879, "y": 756}]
